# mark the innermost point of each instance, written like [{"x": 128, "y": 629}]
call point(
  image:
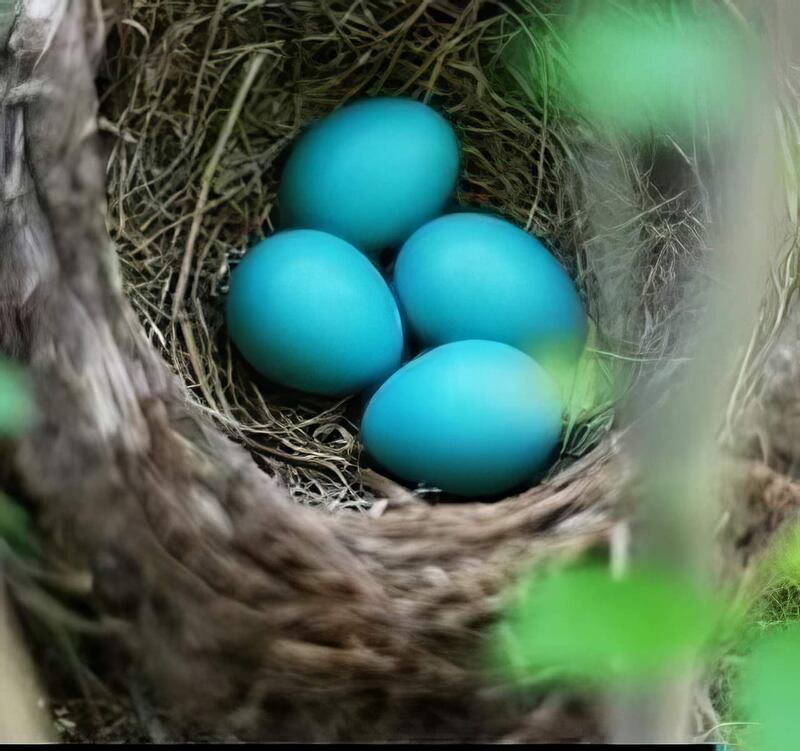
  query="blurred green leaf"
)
[
  {"x": 15, "y": 528},
  {"x": 580, "y": 623},
  {"x": 783, "y": 561},
  {"x": 637, "y": 66},
  {"x": 789, "y": 148},
  {"x": 768, "y": 692},
  {"x": 589, "y": 385},
  {"x": 641, "y": 66},
  {"x": 16, "y": 405}
]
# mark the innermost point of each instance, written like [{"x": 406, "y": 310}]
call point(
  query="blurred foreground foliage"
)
[
  {"x": 17, "y": 413},
  {"x": 768, "y": 692},
  {"x": 640, "y": 67},
  {"x": 16, "y": 406},
  {"x": 582, "y": 625}
]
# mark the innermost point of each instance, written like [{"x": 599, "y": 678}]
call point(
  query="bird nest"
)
[
  {"x": 204, "y": 100},
  {"x": 252, "y": 615}
]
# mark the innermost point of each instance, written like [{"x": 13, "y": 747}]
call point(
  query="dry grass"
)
[{"x": 202, "y": 100}]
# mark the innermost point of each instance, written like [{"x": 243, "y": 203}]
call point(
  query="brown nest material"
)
[
  {"x": 162, "y": 463},
  {"x": 203, "y": 101}
]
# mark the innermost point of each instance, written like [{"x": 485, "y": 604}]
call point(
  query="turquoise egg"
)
[
  {"x": 476, "y": 276},
  {"x": 311, "y": 312},
  {"x": 472, "y": 418},
  {"x": 371, "y": 173}
]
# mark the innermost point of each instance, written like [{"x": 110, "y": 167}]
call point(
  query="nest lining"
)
[{"x": 203, "y": 100}]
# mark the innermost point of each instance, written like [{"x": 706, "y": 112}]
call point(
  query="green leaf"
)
[
  {"x": 16, "y": 405},
  {"x": 588, "y": 388},
  {"x": 768, "y": 692},
  {"x": 581, "y": 624},
  {"x": 15, "y": 528},
  {"x": 783, "y": 561},
  {"x": 642, "y": 66}
]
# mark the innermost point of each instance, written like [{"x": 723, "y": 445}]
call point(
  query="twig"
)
[
  {"x": 678, "y": 441},
  {"x": 21, "y": 716},
  {"x": 208, "y": 176}
]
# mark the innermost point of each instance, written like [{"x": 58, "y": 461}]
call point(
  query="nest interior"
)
[
  {"x": 251, "y": 615},
  {"x": 202, "y": 101}
]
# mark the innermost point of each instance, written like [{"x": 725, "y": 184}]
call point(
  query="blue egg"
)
[
  {"x": 371, "y": 173},
  {"x": 476, "y": 276},
  {"x": 472, "y": 418},
  {"x": 309, "y": 311}
]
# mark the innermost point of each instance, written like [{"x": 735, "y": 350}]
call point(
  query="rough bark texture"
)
[{"x": 252, "y": 615}]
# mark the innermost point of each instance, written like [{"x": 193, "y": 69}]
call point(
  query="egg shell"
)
[
  {"x": 473, "y": 418},
  {"x": 476, "y": 276},
  {"x": 371, "y": 172},
  {"x": 309, "y": 311}
]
